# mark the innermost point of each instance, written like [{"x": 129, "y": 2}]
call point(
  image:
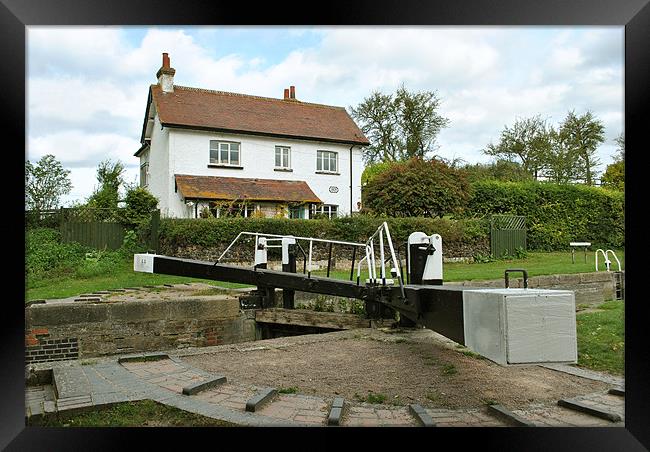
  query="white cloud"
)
[{"x": 76, "y": 148}]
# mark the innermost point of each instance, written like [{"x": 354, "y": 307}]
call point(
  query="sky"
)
[{"x": 87, "y": 87}]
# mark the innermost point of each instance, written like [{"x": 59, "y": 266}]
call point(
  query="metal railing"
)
[
  {"x": 607, "y": 261},
  {"x": 382, "y": 235}
]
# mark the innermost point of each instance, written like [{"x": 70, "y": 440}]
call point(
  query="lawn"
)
[
  {"x": 123, "y": 275},
  {"x": 144, "y": 413},
  {"x": 601, "y": 337},
  {"x": 536, "y": 264}
]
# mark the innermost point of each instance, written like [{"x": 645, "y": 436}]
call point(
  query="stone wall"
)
[
  {"x": 589, "y": 288},
  {"x": 80, "y": 329}
]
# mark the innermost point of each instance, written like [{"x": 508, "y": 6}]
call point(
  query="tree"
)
[
  {"x": 502, "y": 170},
  {"x": 399, "y": 126},
  {"x": 582, "y": 135},
  {"x": 614, "y": 176},
  {"x": 417, "y": 188},
  {"x": 110, "y": 178},
  {"x": 419, "y": 121},
  {"x": 528, "y": 140},
  {"x": 45, "y": 183},
  {"x": 562, "y": 162},
  {"x": 620, "y": 142}
]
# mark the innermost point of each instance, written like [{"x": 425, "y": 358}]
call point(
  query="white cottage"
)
[{"x": 235, "y": 154}]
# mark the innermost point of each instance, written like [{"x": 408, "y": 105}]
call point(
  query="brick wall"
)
[
  {"x": 41, "y": 347},
  {"x": 79, "y": 330}
]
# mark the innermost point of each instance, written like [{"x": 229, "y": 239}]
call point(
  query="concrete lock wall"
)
[
  {"x": 77, "y": 330},
  {"x": 60, "y": 331},
  {"x": 589, "y": 288}
]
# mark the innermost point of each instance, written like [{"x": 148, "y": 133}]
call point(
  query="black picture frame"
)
[{"x": 15, "y": 15}]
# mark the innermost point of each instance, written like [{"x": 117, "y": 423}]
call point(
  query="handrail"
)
[
  {"x": 607, "y": 261},
  {"x": 614, "y": 254},
  {"x": 382, "y": 232}
]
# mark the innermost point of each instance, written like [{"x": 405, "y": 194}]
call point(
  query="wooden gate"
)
[{"x": 507, "y": 234}]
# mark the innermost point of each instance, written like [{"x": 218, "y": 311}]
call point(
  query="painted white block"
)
[
  {"x": 143, "y": 263},
  {"x": 518, "y": 326}
]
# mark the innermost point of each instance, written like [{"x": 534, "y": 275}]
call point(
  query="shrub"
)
[
  {"x": 555, "y": 214},
  {"x": 44, "y": 253},
  {"x": 460, "y": 237},
  {"x": 139, "y": 205},
  {"x": 417, "y": 188}
]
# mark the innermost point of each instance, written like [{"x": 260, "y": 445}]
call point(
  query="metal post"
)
[
  {"x": 329, "y": 260},
  {"x": 288, "y": 295},
  {"x": 381, "y": 256},
  {"x": 309, "y": 264},
  {"x": 354, "y": 252}
]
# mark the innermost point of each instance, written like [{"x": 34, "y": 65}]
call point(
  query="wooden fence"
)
[
  {"x": 96, "y": 228},
  {"x": 507, "y": 234}
]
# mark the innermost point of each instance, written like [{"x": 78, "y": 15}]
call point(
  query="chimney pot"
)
[
  {"x": 286, "y": 93},
  {"x": 292, "y": 92},
  {"x": 165, "y": 63}
]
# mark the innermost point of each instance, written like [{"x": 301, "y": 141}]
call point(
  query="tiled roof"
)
[
  {"x": 217, "y": 110},
  {"x": 238, "y": 188}
]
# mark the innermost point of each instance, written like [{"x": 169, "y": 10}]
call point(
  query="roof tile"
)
[
  {"x": 218, "y": 110},
  {"x": 239, "y": 188}
]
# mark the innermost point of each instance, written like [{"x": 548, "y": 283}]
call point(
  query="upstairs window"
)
[
  {"x": 327, "y": 161},
  {"x": 144, "y": 173},
  {"x": 282, "y": 157},
  {"x": 224, "y": 153}
]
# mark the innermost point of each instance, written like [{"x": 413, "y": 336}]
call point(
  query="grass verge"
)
[
  {"x": 601, "y": 338},
  {"x": 144, "y": 413}
]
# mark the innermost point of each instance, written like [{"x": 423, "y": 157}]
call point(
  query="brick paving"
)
[{"x": 162, "y": 379}]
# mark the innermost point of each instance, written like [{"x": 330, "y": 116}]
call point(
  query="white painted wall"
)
[
  {"x": 159, "y": 167},
  {"x": 189, "y": 153}
]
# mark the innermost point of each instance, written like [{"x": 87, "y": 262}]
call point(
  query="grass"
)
[
  {"x": 122, "y": 275},
  {"x": 536, "y": 263},
  {"x": 371, "y": 398},
  {"x": 601, "y": 338},
  {"x": 131, "y": 414},
  {"x": 290, "y": 390},
  {"x": 449, "y": 369}
]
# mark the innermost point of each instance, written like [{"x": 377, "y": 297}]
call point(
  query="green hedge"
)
[
  {"x": 555, "y": 214},
  {"x": 176, "y": 234}
]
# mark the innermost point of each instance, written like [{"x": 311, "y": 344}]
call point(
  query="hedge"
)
[
  {"x": 555, "y": 214},
  {"x": 460, "y": 237}
]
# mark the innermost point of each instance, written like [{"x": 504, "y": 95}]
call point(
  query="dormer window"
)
[{"x": 224, "y": 153}]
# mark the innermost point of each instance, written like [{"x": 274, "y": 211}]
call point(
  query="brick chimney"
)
[
  {"x": 165, "y": 75},
  {"x": 286, "y": 93}
]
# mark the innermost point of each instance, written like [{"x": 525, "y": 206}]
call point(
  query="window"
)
[
  {"x": 327, "y": 161},
  {"x": 144, "y": 173},
  {"x": 297, "y": 212},
  {"x": 224, "y": 153},
  {"x": 144, "y": 168},
  {"x": 282, "y": 157},
  {"x": 323, "y": 210}
]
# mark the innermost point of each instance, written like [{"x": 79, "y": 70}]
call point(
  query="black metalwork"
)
[
  {"x": 511, "y": 270},
  {"x": 329, "y": 260},
  {"x": 436, "y": 307}
]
